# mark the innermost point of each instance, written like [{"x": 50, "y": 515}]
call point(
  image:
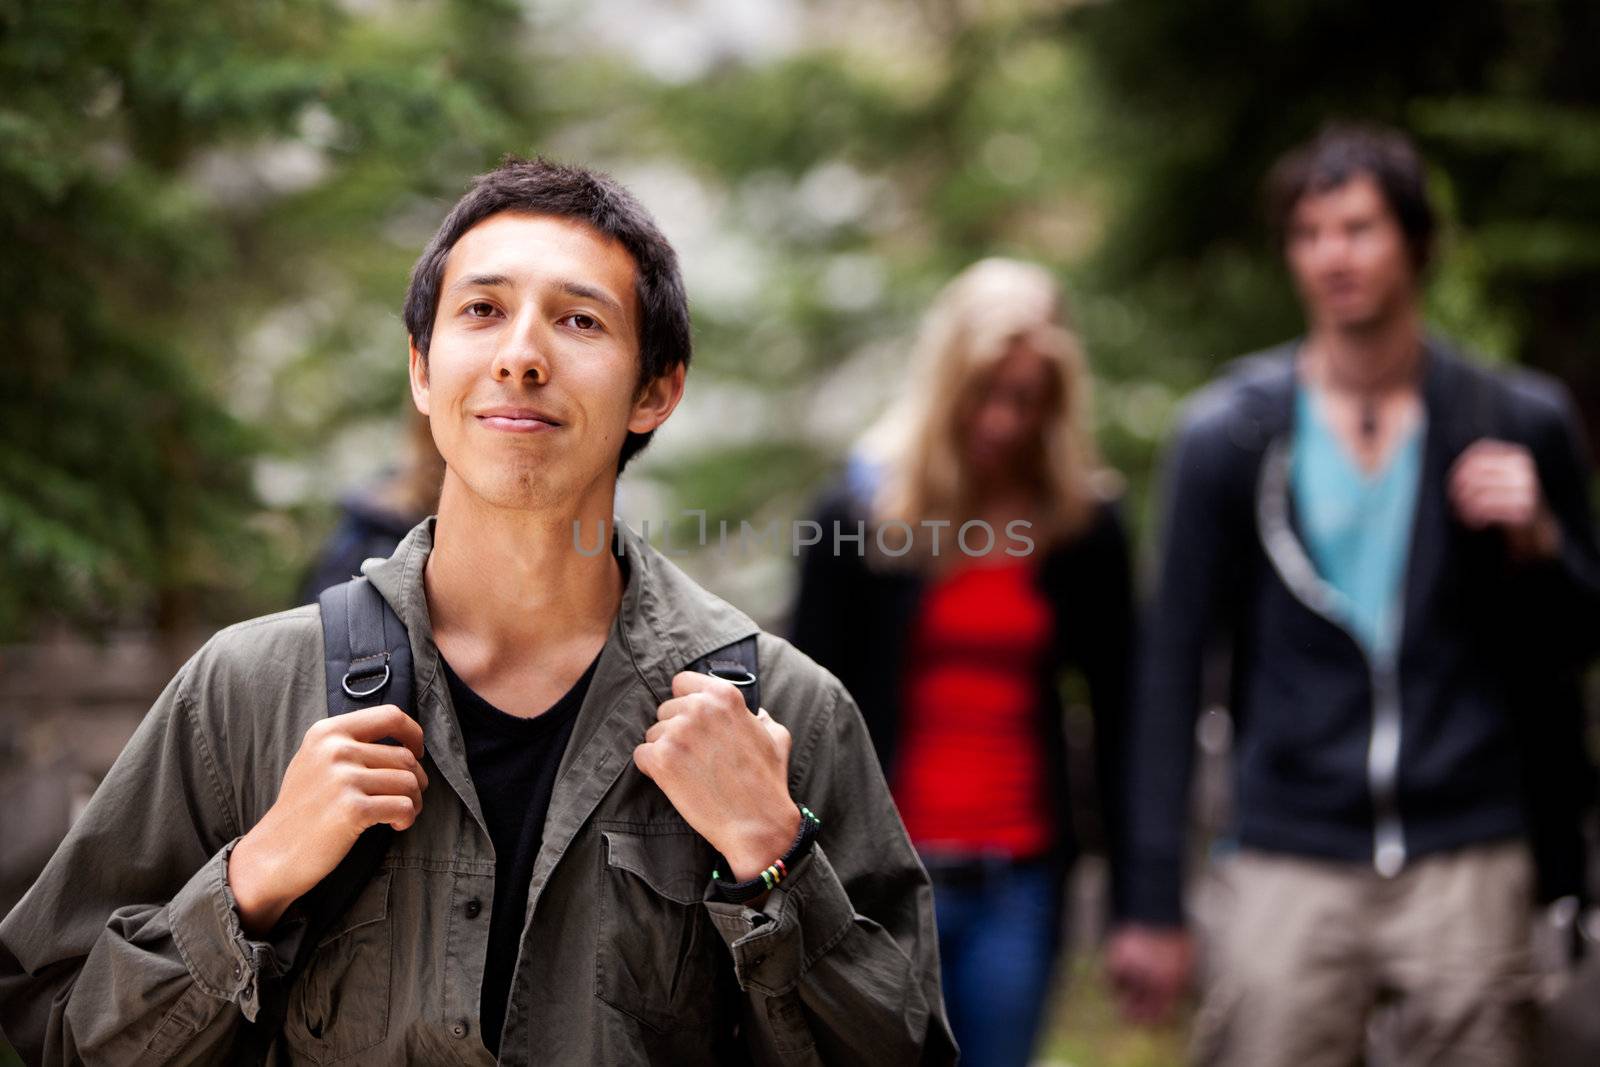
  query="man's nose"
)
[
  {"x": 1332, "y": 252},
  {"x": 522, "y": 354}
]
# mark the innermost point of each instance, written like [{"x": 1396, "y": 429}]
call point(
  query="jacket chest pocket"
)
[
  {"x": 658, "y": 956},
  {"x": 340, "y": 1006}
]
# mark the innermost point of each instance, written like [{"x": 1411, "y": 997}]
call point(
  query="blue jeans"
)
[{"x": 999, "y": 932}]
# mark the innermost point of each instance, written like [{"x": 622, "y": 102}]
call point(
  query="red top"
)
[{"x": 970, "y": 773}]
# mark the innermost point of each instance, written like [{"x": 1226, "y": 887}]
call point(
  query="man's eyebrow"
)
[
  {"x": 589, "y": 292},
  {"x": 570, "y": 288},
  {"x": 481, "y": 281}
]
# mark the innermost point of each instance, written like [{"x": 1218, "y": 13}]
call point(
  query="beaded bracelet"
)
[{"x": 740, "y": 892}]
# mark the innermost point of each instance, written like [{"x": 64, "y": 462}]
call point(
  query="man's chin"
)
[
  {"x": 523, "y": 490},
  {"x": 1362, "y": 318}
]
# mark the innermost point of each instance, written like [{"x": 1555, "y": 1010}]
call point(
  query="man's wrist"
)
[
  {"x": 1540, "y": 540},
  {"x": 1547, "y": 534},
  {"x": 249, "y": 880},
  {"x": 764, "y": 843}
]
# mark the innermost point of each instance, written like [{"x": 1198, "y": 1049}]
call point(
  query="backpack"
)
[{"x": 367, "y": 662}]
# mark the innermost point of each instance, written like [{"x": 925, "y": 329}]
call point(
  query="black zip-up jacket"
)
[
  {"x": 856, "y": 620},
  {"x": 1338, "y": 754}
]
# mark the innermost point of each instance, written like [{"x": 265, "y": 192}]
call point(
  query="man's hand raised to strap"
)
[
  {"x": 342, "y": 780},
  {"x": 724, "y": 769},
  {"x": 1496, "y": 483}
]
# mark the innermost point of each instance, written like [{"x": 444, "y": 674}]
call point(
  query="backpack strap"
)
[
  {"x": 366, "y": 651},
  {"x": 367, "y": 661},
  {"x": 735, "y": 663}
]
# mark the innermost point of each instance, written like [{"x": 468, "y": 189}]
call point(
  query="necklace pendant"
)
[{"x": 1369, "y": 421}]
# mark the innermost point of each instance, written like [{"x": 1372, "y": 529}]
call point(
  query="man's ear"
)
[
  {"x": 655, "y": 400},
  {"x": 419, "y": 377}
]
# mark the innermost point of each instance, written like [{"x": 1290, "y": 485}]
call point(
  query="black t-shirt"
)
[{"x": 513, "y": 763}]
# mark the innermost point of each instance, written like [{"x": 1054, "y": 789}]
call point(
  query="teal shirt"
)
[{"x": 1356, "y": 526}]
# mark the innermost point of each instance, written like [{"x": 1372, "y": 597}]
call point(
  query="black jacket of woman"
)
[{"x": 856, "y": 619}]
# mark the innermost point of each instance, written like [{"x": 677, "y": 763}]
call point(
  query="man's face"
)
[
  {"x": 532, "y": 378},
  {"x": 1348, "y": 255}
]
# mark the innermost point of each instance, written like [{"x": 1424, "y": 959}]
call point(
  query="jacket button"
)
[
  {"x": 459, "y": 1029},
  {"x": 474, "y": 906}
]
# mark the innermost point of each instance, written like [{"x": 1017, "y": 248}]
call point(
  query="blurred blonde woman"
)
[
  {"x": 991, "y": 561},
  {"x": 373, "y": 518}
]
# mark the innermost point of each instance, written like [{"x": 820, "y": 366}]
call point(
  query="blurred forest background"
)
[{"x": 208, "y": 212}]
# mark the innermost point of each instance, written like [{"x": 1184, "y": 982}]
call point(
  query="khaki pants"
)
[{"x": 1299, "y": 952}]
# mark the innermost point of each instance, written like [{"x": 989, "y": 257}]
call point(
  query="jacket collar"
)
[
  {"x": 1459, "y": 404},
  {"x": 1265, "y": 384}
]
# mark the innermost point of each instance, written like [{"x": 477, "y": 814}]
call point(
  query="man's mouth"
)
[
  {"x": 517, "y": 420},
  {"x": 1341, "y": 288}
]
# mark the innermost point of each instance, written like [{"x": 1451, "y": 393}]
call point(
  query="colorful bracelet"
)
[{"x": 741, "y": 892}]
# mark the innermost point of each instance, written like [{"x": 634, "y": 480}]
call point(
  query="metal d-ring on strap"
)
[
  {"x": 737, "y": 675},
  {"x": 362, "y": 694},
  {"x": 736, "y": 663}
]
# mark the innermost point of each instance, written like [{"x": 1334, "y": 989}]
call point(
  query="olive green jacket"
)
[{"x": 128, "y": 949}]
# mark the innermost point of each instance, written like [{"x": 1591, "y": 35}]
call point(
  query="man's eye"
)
[
  {"x": 480, "y": 309},
  {"x": 582, "y": 321}
]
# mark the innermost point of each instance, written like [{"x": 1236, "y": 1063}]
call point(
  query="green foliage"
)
[
  {"x": 1197, "y": 99},
  {"x": 209, "y": 210},
  {"x": 172, "y": 176}
]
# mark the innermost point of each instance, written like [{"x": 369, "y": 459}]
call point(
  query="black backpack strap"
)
[
  {"x": 366, "y": 652},
  {"x": 735, "y": 663},
  {"x": 367, "y": 661}
]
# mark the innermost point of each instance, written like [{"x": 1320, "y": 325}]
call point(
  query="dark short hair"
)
[
  {"x": 541, "y": 187},
  {"x": 1342, "y": 151}
]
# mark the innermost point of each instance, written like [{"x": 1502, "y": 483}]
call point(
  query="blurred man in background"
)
[{"x": 1384, "y": 533}]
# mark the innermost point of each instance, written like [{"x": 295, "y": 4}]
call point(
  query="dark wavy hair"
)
[
  {"x": 541, "y": 187},
  {"x": 1342, "y": 151}
]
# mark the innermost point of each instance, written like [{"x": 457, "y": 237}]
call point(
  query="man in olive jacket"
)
[{"x": 562, "y": 790}]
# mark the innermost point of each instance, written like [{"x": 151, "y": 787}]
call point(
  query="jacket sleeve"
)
[
  {"x": 128, "y": 948},
  {"x": 821, "y": 625},
  {"x": 1202, "y": 540},
  {"x": 841, "y": 964},
  {"x": 1553, "y": 633},
  {"x": 1101, "y": 618},
  {"x": 1565, "y": 592}
]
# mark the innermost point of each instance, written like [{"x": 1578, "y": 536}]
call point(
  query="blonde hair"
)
[{"x": 973, "y": 323}]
